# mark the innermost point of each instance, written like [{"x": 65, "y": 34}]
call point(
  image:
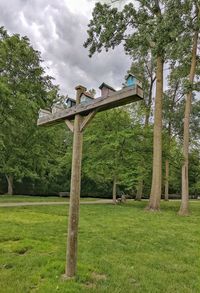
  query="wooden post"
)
[
  {"x": 74, "y": 192},
  {"x": 82, "y": 114}
]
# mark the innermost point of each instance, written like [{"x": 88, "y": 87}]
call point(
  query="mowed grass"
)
[
  {"x": 26, "y": 198},
  {"x": 121, "y": 249}
]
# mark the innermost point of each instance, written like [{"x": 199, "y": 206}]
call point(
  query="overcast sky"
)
[{"x": 58, "y": 29}]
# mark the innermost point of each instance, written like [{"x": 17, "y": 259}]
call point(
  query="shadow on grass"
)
[{"x": 165, "y": 206}]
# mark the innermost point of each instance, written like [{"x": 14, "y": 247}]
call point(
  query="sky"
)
[{"x": 58, "y": 30}]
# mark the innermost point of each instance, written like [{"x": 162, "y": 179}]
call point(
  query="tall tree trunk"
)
[
  {"x": 10, "y": 184},
  {"x": 169, "y": 141},
  {"x": 167, "y": 179},
  {"x": 114, "y": 191},
  {"x": 148, "y": 107},
  {"x": 167, "y": 160},
  {"x": 139, "y": 190},
  {"x": 184, "y": 208},
  {"x": 154, "y": 202}
]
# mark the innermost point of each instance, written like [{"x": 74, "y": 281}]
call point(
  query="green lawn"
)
[
  {"x": 121, "y": 249},
  {"x": 26, "y": 198}
]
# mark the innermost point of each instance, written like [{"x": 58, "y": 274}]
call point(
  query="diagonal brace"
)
[
  {"x": 87, "y": 120},
  {"x": 70, "y": 125}
]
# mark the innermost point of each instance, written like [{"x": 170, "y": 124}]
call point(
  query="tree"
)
[
  {"x": 185, "y": 56},
  {"x": 144, "y": 70},
  {"x": 153, "y": 26},
  {"x": 25, "y": 89},
  {"x": 172, "y": 98},
  {"x": 184, "y": 208},
  {"x": 108, "y": 148}
]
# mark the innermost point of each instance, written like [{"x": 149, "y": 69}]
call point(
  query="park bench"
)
[
  {"x": 64, "y": 194},
  {"x": 121, "y": 199}
]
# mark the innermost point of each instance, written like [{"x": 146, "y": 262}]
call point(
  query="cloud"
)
[{"x": 58, "y": 29}]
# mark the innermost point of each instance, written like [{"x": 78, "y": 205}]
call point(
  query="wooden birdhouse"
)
[
  {"x": 86, "y": 98},
  {"x": 106, "y": 90},
  {"x": 70, "y": 102},
  {"x": 131, "y": 80}
]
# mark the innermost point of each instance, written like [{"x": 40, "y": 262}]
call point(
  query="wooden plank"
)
[{"x": 125, "y": 96}]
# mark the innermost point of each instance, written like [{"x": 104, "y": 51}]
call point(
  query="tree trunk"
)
[
  {"x": 114, "y": 191},
  {"x": 10, "y": 184},
  {"x": 167, "y": 180},
  {"x": 169, "y": 141},
  {"x": 184, "y": 208},
  {"x": 139, "y": 190},
  {"x": 154, "y": 202},
  {"x": 148, "y": 108}
]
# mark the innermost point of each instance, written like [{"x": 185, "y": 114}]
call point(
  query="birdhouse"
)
[
  {"x": 131, "y": 80},
  {"x": 44, "y": 113},
  {"x": 70, "y": 102},
  {"x": 86, "y": 98},
  {"x": 106, "y": 90}
]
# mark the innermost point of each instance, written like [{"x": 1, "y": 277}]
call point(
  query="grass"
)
[
  {"x": 26, "y": 198},
  {"x": 121, "y": 249}
]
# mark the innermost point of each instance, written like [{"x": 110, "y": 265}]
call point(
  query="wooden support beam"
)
[
  {"x": 77, "y": 113},
  {"x": 72, "y": 239},
  {"x": 125, "y": 96},
  {"x": 75, "y": 188},
  {"x": 70, "y": 125},
  {"x": 87, "y": 119}
]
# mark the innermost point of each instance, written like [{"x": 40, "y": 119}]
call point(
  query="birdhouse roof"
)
[
  {"x": 130, "y": 74},
  {"x": 107, "y": 86},
  {"x": 70, "y": 99},
  {"x": 87, "y": 95}
]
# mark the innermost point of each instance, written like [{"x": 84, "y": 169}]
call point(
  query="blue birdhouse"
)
[
  {"x": 131, "y": 80},
  {"x": 70, "y": 102},
  {"x": 86, "y": 98}
]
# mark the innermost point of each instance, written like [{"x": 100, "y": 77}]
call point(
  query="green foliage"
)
[
  {"x": 152, "y": 25},
  {"x": 25, "y": 150},
  {"x": 144, "y": 70},
  {"x": 194, "y": 175},
  {"x": 117, "y": 146},
  {"x": 108, "y": 147}
]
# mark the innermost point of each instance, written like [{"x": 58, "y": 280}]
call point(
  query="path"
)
[{"x": 21, "y": 204}]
